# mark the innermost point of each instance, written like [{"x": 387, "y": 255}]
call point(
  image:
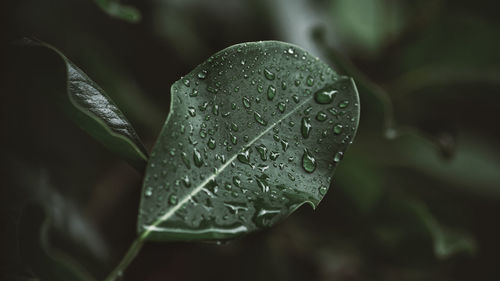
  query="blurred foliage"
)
[{"x": 419, "y": 206}]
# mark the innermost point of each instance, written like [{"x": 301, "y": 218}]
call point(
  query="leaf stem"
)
[{"x": 131, "y": 253}]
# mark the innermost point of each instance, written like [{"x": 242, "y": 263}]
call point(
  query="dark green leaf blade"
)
[
  {"x": 35, "y": 249},
  {"x": 253, "y": 133},
  {"x": 94, "y": 111},
  {"x": 117, "y": 10}
]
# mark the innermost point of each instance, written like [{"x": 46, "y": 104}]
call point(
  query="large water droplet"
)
[
  {"x": 321, "y": 116},
  {"x": 186, "y": 181},
  {"x": 185, "y": 160},
  {"x": 259, "y": 118},
  {"x": 271, "y": 92},
  {"x": 325, "y": 95},
  {"x": 344, "y": 104},
  {"x": 202, "y": 74},
  {"x": 237, "y": 181},
  {"x": 322, "y": 190},
  {"x": 268, "y": 74},
  {"x": 246, "y": 102},
  {"x": 172, "y": 199},
  {"x": 305, "y": 127},
  {"x": 282, "y": 107},
  {"x": 308, "y": 162},
  {"x": 244, "y": 157},
  {"x": 262, "y": 150},
  {"x": 338, "y": 156},
  {"x": 211, "y": 143},
  {"x": 337, "y": 129},
  {"x": 197, "y": 158}
]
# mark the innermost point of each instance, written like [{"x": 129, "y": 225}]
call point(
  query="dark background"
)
[{"x": 421, "y": 202}]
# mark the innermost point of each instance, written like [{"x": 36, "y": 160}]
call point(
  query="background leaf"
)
[
  {"x": 45, "y": 262},
  {"x": 253, "y": 133},
  {"x": 117, "y": 10},
  {"x": 94, "y": 111}
]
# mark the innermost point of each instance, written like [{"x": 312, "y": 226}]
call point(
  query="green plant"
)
[{"x": 252, "y": 134}]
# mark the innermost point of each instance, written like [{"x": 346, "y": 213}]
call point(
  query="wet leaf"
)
[
  {"x": 233, "y": 158},
  {"x": 94, "y": 111},
  {"x": 117, "y": 10}
]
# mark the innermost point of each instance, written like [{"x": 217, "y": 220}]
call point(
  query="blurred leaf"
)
[
  {"x": 368, "y": 24},
  {"x": 447, "y": 242},
  {"x": 92, "y": 109},
  {"x": 267, "y": 105},
  {"x": 117, "y": 10},
  {"x": 46, "y": 262}
]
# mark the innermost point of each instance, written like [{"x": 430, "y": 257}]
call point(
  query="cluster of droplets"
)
[{"x": 208, "y": 139}]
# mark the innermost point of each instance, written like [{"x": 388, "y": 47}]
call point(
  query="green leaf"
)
[
  {"x": 44, "y": 261},
  {"x": 447, "y": 242},
  {"x": 252, "y": 134},
  {"x": 117, "y": 10},
  {"x": 94, "y": 111}
]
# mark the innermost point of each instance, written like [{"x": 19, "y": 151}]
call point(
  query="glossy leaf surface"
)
[
  {"x": 253, "y": 133},
  {"x": 94, "y": 111}
]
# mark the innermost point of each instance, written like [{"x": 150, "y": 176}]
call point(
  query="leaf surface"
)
[
  {"x": 252, "y": 134},
  {"x": 94, "y": 111}
]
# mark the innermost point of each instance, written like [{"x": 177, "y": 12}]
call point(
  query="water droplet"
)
[
  {"x": 325, "y": 95},
  {"x": 308, "y": 162},
  {"x": 202, "y": 74},
  {"x": 234, "y": 139},
  {"x": 291, "y": 177},
  {"x": 322, "y": 190},
  {"x": 284, "y": 145},
  {"x": 185, "y": 160},
  {"x": 215, "y": 109},
  {"x": 283, "y": 85},
  {"x": 282, "y": 107},
  {"x": 148, "y": 192},
  {"x": 274, "y": 155},
  {"x": 211, "y": 143},
  {"x": 237, "y": 181},
  {"x": 172, "y": 199},
  {"x": 234, "y": 127},
  {"x": 246, "y": 102},
  {"x": 310, "y": 81},
  {"x": 263, "y": 185},
  {"x": 260, "y": 88},
  {"x": 337, "y": 129},
  {"x": 321, "y": 116},
  {"x": 186, "y": 181},
  {"x": 290, "y": 51},
  {"x": 295, "y": 98},
  {"x": 198, "y": 160},
  {"x": 271, "y": 92},
  {"x": 308, "y": 110},
  {"x": 244, "y": 157},
  {"x": 344, "y": 104},
  {"x": 259, "y": 118},
  {"x": 305, "y": 127},
  {"x": 192, "y": 111},
  {"x": 262, "y": 150},
  {"x": 338, "y": 156},
  {"x": 187, "y": 82},
  {"x": 268, "y": 74}
]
